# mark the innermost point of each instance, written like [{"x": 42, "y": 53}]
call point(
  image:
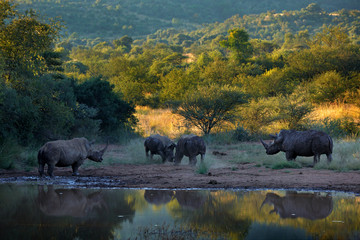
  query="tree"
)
[
  {"x": 124, "y": 42},
  {"x": 238, "y": 41},
  {"x": 113, "y": 112},
  {"x": 25, "y": 41},
  {"x": 210, "y": 106}
]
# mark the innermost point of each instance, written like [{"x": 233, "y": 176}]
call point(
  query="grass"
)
[{"x": 202, "y": 168}]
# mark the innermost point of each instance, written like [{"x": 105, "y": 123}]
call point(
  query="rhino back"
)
[
  {"x": 191, "y": 145},
  {"x": 64, "y": 152},
  {"x": 154, "y": 144},
  {"x": 306, "y": 143}
]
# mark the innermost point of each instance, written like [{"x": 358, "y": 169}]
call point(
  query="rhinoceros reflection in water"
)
[
  {"x": 186, "y": 199},
  {"x": 305, "y": 205},
  {"x": 69, "y": 202}
]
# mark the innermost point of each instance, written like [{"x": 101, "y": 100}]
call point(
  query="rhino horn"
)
[
  {"x": 263, "y": 143},
  {"x": 103, "y": 151}
]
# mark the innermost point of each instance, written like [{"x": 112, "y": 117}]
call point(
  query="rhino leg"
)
[
  {"x": 192, "y": 161},
  {"x": 51, "y": 170},
  {"x": 329, "y": 157},
  {"x": 41, "y": 169},
  {"x": 163, "y": 157},
  {"x": 147, "y": 152},
  {"x": 316, "y": 159},
  {"x": 202, "y": 157},
  {"x": 178, "y": 159},
  {"x": 290, "y": 156},
  {"x": 75, "y": 168}
]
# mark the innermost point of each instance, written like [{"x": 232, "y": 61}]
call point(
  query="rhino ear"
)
[{"x": 171, "y": 145}]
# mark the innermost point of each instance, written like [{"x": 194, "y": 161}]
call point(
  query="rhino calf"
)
[
  {"x": 301, "y": 143},
  {"x": 64, "y": 153},
  {"x": 160, "y": 145},
  {"x": 190, "y": 146}
]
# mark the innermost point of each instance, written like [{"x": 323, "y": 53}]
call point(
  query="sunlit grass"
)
[
  {"x": 162, "y": 121},
  {"x": 335, "y": 111}
]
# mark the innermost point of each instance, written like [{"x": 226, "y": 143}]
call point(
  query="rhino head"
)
[
  {"x": 96, "y": 156},
  {"x": 274, "y": 147},
  {"x": 169, "y": 152}
]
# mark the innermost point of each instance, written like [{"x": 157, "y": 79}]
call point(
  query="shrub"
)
[
  {"x": 202, "y": 168},
  {"x": 337, "y": 128},
  {"x": 287, "y": 164},
  {"x": 242, "y": 135}
]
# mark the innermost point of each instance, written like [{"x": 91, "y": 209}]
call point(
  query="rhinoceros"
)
[
  {"x": 160, "y": 145},
  {"x": 64, "y": 153},
  {"x": 190, "y": 146},
  {"x": 301, "y": 143},
  {"x": 311, "y": 206}
]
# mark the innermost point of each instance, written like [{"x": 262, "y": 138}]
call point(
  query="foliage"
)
[
  {"x": 113, "y": 112},
  {"x": 242, "y": 135},
  {"x": 337, "y": 128},
  {"x": 108, "y": 19},
  {"x": 210, "y": 106},
  {"x": 25, "y": 42},
  {"x": 238, "y": 41},
  {"x": 202, "y": 168}
]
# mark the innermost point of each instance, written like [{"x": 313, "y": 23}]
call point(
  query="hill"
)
[{"x": 110, "y": 19}]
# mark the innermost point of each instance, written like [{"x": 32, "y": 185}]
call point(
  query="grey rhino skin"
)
[
  {"x": 64, "y": 153},
  {"x": 305, "y": 205},
  {"x": 160, "y": 145},
  {"x": 301, "y": 143},
  {"x": 69, "y": 202},
  {"x": 190, "y": 146}
]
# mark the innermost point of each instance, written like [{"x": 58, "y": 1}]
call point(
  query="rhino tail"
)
[
  {"x": 330, "y": 144},
  {"x": 40, "y": 156}
]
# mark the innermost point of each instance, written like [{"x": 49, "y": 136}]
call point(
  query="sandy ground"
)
[{"x": 165, "y": 176}]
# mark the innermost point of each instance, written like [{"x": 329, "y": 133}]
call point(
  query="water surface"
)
[{"x": 55, "y": 212}]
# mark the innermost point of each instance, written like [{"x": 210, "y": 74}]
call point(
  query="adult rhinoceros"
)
[
  {"x": 63, "y": 153},
  {"x": 160, "y": 145},
  {"x": 301, "y": 143},
  {"x": 190, "y": 146}
]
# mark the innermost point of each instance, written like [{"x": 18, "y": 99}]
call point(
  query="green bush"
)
[
  {"x": 8, "y": 153},
  {"x": 202, "y": 168},
  {"x": 287, "y": 164},
  {"x": 242, "y": 135},
  {"x": 337, "y": 128}
]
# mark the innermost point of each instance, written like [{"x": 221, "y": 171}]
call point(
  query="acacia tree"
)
[{"x": 210, "y": 106}]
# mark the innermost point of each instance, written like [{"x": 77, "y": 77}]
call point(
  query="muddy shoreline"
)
[{"x": 157, "y": 176}]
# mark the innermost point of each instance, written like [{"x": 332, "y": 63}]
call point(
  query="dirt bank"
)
[{"x": 247, "y": 176}]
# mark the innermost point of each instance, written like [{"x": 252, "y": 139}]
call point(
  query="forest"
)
[{"x": 249, "y": 73}]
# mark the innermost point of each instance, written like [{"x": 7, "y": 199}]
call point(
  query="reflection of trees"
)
[{"x": 211, "y": 212}]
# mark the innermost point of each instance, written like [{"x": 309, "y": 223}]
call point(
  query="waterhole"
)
[{"x": 56, "y": 212}]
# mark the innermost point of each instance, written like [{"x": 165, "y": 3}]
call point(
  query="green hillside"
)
[{"x": 110, "y": 19}]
